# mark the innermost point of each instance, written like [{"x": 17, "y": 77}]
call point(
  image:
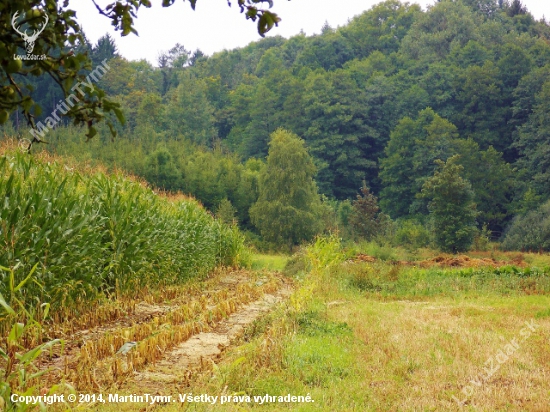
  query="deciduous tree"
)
[{"x": 288, "y": 206}]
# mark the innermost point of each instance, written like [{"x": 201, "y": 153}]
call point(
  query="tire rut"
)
[{"x": 205, "y": 348}]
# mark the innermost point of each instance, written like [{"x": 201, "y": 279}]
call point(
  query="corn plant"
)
[
  {"x": 17, "y": 368},
  {"x": 92, "y": 236}
]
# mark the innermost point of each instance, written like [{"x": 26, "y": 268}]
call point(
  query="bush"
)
[
  {"x": 297, "y": 265},
  {"x": 482, "y": 240},
  {"x": 412, "y": 235},
  {"x": 529, "y": 232}
]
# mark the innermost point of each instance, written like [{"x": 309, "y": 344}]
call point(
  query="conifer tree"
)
[
  {"x": 451, "y": 206},
  {"x": 365, "y": 219}
]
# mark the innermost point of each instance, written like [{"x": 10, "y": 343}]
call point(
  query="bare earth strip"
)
[
  {"x": 204, "y": 348},
  {"x": 231, "y": 284}
]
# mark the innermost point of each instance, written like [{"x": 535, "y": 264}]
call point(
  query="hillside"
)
[{"x": 377, "y": 100}]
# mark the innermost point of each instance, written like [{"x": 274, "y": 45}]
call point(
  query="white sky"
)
[{"x": 215, "y": 26}]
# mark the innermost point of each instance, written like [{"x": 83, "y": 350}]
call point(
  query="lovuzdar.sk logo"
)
[{"x": 29, "y": 39}]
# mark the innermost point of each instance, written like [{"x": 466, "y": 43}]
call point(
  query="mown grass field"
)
[{"x": 376, "y": 337}]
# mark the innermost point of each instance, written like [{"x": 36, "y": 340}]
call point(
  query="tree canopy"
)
[
  {"x": 288, "y": 208},
  {"x": 62, "y": 54},
  {"x": 451, "y": 206},
  {"x": 377, "y": 100}
]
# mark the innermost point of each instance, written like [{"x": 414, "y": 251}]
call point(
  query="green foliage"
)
[
  {"x": 297, "y": 265},
  {"x": 482, "y": 239},
  {"x": 60, "y": 40},
  {"x": 410, "y": 155},
  {"x": 433, "y": 34},
  {"x": 161, "y": 170},
  {"x": 339, "y": 131},
  {"x": 357, "y": 94},
  {"x": 318, "y": 360},
  {"x": 324, "y": 254},
  {"x": 530, "y": 231},
  {"x": 534, "y": 140},
  {"x": 381, "y": 28},
  {"x": 288, "y": 204},
  {"x": 226, "y": 212},
  {"x": 209, "y": 175},
  {"x": 451, "y": 206},
  {"x": 269, "y": 262},
  {"x": 412, "y": 234},
  {"x": 93, "y": 234},
  {"x": 395, "y": 282},
  {"x": 18, "y": 370},
  {"x": 365, "y": 218},
  {"x": 189, "y": 113},
  {"x": 56, "y": 41},
  {"x": 493, "y": 182}
]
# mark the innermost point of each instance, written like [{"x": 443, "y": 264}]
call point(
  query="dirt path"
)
[
  {"x": 140, "y": 313},
  {"x": 174, "y": 335},
  {"x": 204, "y": 348}
]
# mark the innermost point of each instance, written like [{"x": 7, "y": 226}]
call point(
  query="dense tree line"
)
[{"x": 378, "y": 100}]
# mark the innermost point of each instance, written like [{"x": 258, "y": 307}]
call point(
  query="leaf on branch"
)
[{"x": 267, "y": 21}]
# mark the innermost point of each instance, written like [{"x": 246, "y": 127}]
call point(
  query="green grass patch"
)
[
  {"x": 391, "y": 281},
  {"x": 269, "y": 262},
  {"x": 543, "y": 314}
]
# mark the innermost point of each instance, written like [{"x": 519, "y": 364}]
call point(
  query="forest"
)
[{"x": 398, "y": 125}]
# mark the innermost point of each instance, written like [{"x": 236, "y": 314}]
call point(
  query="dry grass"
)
[
  {"x": 354, "y": 352},
  {"x": 415, "y": 350},
  {"x": 418, "y": 355}
]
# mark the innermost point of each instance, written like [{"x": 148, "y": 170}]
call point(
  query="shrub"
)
[
  {"x": 530, "y": 231},
  {"x": 411, "y": 234},
  {"x": 482, "y": 240}
]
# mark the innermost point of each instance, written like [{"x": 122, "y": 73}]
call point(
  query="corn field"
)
[{"x": 94, "y": 235}]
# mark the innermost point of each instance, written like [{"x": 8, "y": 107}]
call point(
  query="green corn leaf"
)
[
  {"x": 15, "y": 333},
  {"x": 22, "y": 283},
  {"x": 5, "y": 305}
]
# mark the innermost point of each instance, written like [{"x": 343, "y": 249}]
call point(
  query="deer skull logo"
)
[{"x": 29, "y": 40}]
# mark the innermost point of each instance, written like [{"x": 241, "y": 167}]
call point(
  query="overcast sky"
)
[{"x": 214, "y": 26}]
